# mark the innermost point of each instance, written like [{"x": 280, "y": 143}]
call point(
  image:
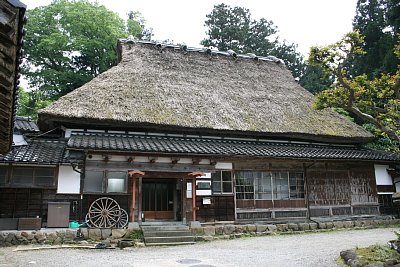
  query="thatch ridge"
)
[{"x": 160, "y": 87}]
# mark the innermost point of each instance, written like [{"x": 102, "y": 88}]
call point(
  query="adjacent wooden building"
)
[
  {"x": 12, "y": 19},
  {"x": 181, "y": 134}
]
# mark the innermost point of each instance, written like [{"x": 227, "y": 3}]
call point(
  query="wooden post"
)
[
  {"x": 140, "y": 200},
  {"x": 183, "y": 197},
  {"x": 133, "y": 199},
  {"x": 134, "y": 174},
  {"x": 194, "y": 175},
  {"x": 193, "y": 198}
]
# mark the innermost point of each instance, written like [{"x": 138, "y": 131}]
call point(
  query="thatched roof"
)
[{"x": 170, "y": 89}]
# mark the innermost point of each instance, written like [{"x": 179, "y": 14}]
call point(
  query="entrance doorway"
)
[{"x": 160, "y": 199}]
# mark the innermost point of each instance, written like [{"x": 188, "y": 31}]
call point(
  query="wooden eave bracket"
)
[
  {"x": 196, "y": 174},
  {"x": 135, "y": 173}
]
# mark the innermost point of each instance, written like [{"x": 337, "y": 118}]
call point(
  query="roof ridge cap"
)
[{"x": 212, "y": 51}]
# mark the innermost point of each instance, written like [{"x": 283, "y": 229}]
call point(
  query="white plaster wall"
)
[
  {"x": 69, "y": 181},
  {"x": 382, "y": 176},
  {"x": 224, "y": 166}
]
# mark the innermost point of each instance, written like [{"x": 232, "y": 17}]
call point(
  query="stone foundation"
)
[
  {"x": 201, "y": 233},
  {"x": 62, "y": 236},
  {"x": 229, "y": 231}
]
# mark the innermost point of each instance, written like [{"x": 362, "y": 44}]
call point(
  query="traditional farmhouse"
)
[{"x": 174, "y": 133}]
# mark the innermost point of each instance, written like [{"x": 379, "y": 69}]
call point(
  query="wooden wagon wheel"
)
[
  {"x": 123, "y": 219},
  {"x": 87, "y": 221},
  {"x": 104, "y": 212}
]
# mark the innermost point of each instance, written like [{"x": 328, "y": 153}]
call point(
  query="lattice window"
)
[
  {"x": 269, "y": 185},
  {"x": 33, "y": 176},
  {"x": 245, "y": 185},
  {"x": 221, "y": 182}
]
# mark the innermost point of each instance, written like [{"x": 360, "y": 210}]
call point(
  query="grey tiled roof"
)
[
  {"x": 220, "y": 147},
  {"x": 37, "y": 151},
  {"x": 25, "y": 124}
]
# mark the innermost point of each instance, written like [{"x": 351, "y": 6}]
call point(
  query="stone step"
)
[
  {"x": 170, "y": 244},
  {"x": 167, "y": 233},
  {"x": 165, "y": 228},
  {"x": 168, "y": 239}
]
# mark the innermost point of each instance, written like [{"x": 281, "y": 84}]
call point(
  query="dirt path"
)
[{"x": 320, "y": 249}]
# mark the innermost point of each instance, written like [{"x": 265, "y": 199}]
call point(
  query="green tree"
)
[
  {"x": 316, "y": 79},
  {"x": 375, "y": 102},
  {"x": 29, "y": 103},
  {"x": 70, "y": 42},
  {"x": 234, "y": 29},
  {"x": 377, "y": 21}
]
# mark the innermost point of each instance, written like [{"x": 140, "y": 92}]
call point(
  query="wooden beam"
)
[{"x": 154, "y": 167}]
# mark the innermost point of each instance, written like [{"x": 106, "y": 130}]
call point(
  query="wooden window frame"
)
[
  {"x": 104, "y": 182},
  {"x": 10, "y": 178},
  {"x": 242, "y": 189},
  {"x": 242, "y": 195},
  {"x": 222, "y": 182}
]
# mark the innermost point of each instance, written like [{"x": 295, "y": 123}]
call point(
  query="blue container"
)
[{"x": 74, "y": 225}]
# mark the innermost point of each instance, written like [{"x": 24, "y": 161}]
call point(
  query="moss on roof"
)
[{"x": 171, "y": 87}]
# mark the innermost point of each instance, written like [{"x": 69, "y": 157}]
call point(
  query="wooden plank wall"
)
[
  {"x": 341, "y": 185},
  {"x": 26, "y": 202},
  {"x": 11, "y": 19},
  {"x": 222, "y": 208}
]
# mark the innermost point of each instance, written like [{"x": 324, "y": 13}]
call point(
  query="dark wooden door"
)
[{"x": 158, "y": 200}]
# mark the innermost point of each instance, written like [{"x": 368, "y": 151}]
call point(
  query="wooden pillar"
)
[
  {"x": 133, "y": 199},
  {"x": 193, "y": 175},
  {"x": 135, "y": 174},
  {"x": 193, "y": 198},
  {"x": 183, "y": 193},
  {"x": 140, "y": 200}
]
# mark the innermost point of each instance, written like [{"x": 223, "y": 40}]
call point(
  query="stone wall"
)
[
  {"x": 201, "y": 232},
  {"x": 62, "y": 236},
  {"x": 228, "y": 231}
]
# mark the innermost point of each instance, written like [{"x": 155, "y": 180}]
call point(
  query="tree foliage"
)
[
  {"x": 233, "y": 28},
  {"x": 70, "y": 42},
  {"x": 378, "y": 22},
  {"x": 316, "y": 79},
  {"x": 29, "y": 103},
  {"x": 374, "y": 101}
]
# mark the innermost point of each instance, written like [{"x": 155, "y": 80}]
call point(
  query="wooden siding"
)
[
  {"x": 11, "y": 19},
  {"x": 333, "y": 188},
  {"x": 342, "y": 187},
  {"x": 221, "y": 209},
  {"x": 30, "y": 203},
  {"x": 26, "y": 202},
  {"x": 328, "y": 188},
  {"x": 269, "y": 204}
]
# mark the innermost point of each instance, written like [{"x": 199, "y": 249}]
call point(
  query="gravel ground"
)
[{"x": 318, "y": 249}]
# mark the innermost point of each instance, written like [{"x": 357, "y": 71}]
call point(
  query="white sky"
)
[{"x": 304, "y": 22}]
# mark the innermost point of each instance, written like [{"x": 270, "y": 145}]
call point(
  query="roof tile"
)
[
  {"x": 37, "y": 151},
  {"x": 221, "y": 147}
]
